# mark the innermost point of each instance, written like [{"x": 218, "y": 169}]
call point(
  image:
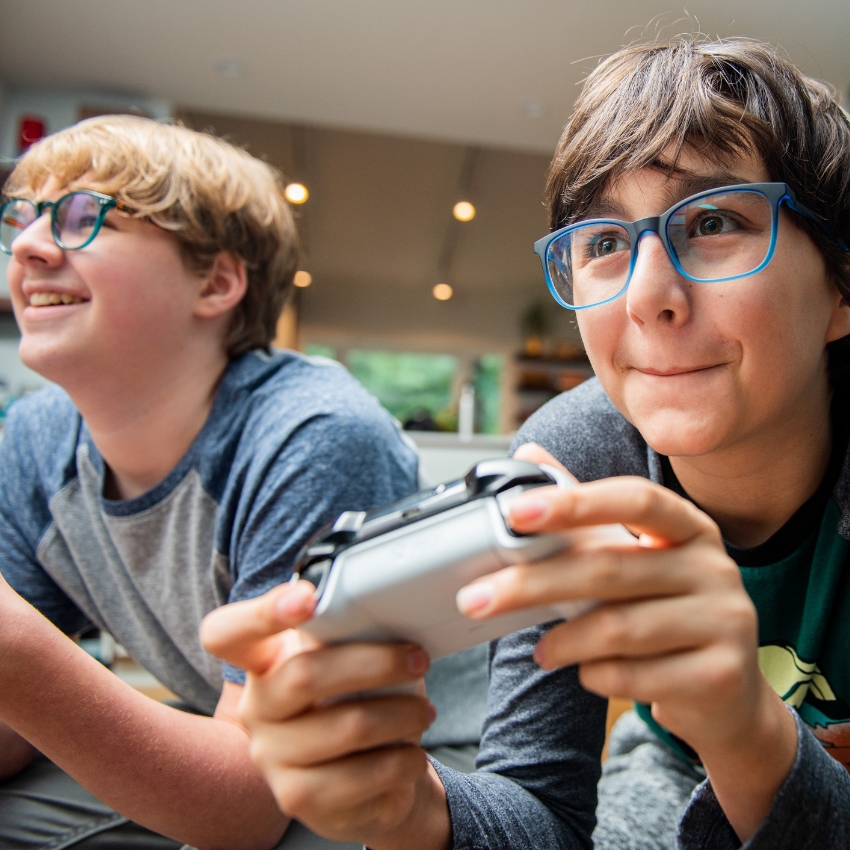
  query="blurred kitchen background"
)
[{"x": 416, "y": 136}]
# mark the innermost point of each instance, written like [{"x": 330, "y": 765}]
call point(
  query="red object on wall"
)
[{"x": 32, "y": 128}]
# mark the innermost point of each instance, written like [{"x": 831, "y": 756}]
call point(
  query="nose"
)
[
  {"x": 657, "y": 293},
  {"x": 35, "y": 245}
]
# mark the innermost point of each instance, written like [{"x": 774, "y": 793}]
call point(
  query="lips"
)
[{"x": 673, "y": 371}]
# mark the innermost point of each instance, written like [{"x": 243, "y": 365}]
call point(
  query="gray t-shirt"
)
[{"x": 290, "y": 443}]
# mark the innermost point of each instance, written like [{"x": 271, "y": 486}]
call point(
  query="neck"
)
[
  {"x": 753, "y": 488},
  {"x": 143, "y": 424}
]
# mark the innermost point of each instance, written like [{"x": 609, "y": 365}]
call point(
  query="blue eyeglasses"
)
[
  {"x": 718, "y": 235},
  {"x": 75, "y": 219}
]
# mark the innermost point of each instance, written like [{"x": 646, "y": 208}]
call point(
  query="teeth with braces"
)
[{"x": 47, "y": 299}]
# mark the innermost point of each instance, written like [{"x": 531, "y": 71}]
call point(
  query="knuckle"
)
[
  {"x": 394, "y": 806},
  {"x": 742, "y": 614},
  {"x": 357, "y": 724},
  {"x": 614, "y": 626},
  {"x": 269, "y": 760},
  {"x": 609, "y": 678},
  {"x": 725, "y": 672},
  {"x": 405, "y": 765},
  {"x": 605, "y": 566},
  {"x": 727, "y": 570},
  {"x": 299, "y": 673},
  {"x": 514, "y": 580},
  {"x": 645, "y": 497},
  {"x": 293, "y": 797}
]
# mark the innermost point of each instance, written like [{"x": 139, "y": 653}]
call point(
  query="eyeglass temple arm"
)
[{"x": 813, "y": 216}]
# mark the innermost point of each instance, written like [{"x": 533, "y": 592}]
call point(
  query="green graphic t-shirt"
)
[{"x": 798, "y": 580}]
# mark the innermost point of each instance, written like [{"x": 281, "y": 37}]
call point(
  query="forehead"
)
[{"x": 656, "y": 187}]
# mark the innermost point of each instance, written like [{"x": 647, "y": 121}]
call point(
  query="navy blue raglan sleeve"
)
[
  {"x": 535, "y": 783},
  {"x": 25, "y": 449},
  {"x": 334, "y": 461}
]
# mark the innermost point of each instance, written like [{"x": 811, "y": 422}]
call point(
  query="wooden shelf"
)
[
  {"x": 560, "y": 362},
  {"x": 540, "y": 379}
]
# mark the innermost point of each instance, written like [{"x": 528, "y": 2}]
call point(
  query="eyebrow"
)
[{"x": 679, "y": 187}]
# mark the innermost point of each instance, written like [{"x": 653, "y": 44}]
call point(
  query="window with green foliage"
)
[
  {"x": 418, "y": 387},
  {"x": 487, "y": 378},
  {"x": 312, "y": 349},
  {"x": 406, "y": 383}
]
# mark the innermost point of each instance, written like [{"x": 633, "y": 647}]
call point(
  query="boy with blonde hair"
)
[{"x": 179, "y": 464}]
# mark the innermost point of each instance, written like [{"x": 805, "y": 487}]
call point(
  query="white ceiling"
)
[{"x": 460, "y": 70}]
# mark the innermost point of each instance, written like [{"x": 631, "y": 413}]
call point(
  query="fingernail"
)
[
  {"x": 295, "y": 601},
  {"x": 475, "y": 598},
  {"x": 530, "y": 510},
  {"x": 417, "y": 661}
]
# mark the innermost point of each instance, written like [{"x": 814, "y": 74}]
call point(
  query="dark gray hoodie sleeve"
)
[
  {"x": 812, "y": 808},
  {"x": 589, "y": 436},
  {"x": 539, "y": 762}
]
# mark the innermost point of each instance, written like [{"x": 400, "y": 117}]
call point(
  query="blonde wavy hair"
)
[{"x": 213, "y": 196}]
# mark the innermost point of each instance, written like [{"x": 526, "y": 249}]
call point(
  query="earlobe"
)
[
  {"x": 839, "y": 325},
  {"x": 222, "y": 287}
]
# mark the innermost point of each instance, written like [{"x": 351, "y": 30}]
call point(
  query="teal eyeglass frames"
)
[
  {"x": 717, "y": 235},
  {"x": 75, "y": 219}
]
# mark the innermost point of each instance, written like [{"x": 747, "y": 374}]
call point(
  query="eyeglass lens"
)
[
  {"x": 17, "y": 215},
  {"x": 714, "y": 237},
  {"x": 75, "y": 219}
]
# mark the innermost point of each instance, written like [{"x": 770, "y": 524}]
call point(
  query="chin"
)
[
  {"x": 49, "y": 361},
  {"x": 679, "y": 435}
]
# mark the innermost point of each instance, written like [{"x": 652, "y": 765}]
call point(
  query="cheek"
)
[
  {"x": 139, "y": 292},
  {"x": 602, "y": 330}
]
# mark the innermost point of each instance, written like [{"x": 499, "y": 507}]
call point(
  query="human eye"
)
[
  {"x": 78, "y": 213},
  {"x": 714, "y": 222},
  {"x": 85, "y": 221},
  {"x": 600, "y": 245}
]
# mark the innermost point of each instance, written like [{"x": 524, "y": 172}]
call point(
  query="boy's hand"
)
[
  {"x": 677, "y": 629},
  {"x": 351, "y": 770}
]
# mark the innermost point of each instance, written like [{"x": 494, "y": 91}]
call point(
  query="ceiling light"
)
[
  {"x": 302, "y": 278},
  {"x": 227, "y": 67},
  {"x": 463, "y": 211},
  {"x": 442, "y": 292},
  {"x": 296, "y": 193}
]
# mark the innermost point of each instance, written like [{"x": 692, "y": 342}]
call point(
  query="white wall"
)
[{"x": 61, "y": 108}]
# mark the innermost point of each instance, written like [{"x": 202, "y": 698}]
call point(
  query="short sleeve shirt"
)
[{"x": 290, "y": 443}]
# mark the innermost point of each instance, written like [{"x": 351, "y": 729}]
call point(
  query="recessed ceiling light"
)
[
  {"x": 463, "y": 211},
  {"x": 302, "y": 278},
  {"x": 442, "y": 292},
  {"x": 228, "y": 67},
  {"x": 296, "y": 193}
]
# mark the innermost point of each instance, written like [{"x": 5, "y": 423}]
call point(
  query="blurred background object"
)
[{"x": 414, "y": 139}]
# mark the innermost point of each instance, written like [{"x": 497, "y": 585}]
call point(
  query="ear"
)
[
  {"x": 839, "y": 322},
  {"x": 222, "y": 287}
]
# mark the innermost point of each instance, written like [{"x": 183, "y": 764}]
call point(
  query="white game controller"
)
[{"x": 392, "y": 574}]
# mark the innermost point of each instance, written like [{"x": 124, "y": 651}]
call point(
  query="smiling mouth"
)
[
  {"x": 52, "y": 299},
  {"x": 675, "y": 371}
]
